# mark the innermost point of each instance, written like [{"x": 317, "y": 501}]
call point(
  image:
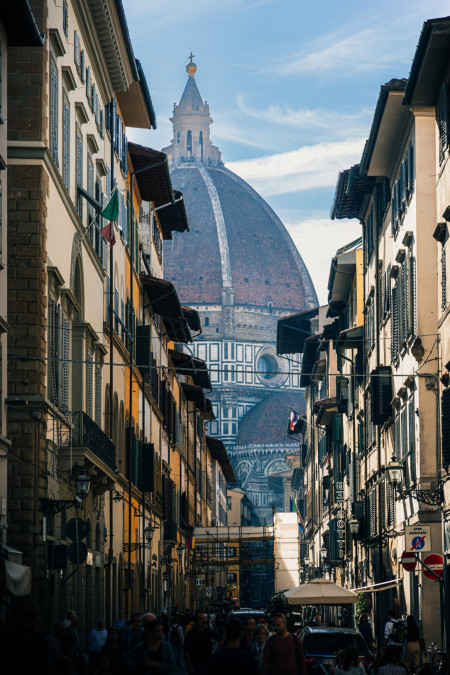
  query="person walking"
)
[
  {"x": 198, "y": 645},
  {"x": 256, "y": 646},
  {"x": 231, "y": 658},
  {"x": 96, "y": 640},
  {"x": 350, "y": 664},
  {"x": 412, "y": 653},
  {"x": 135, "y": 633},
  {"x": 390, "y": 663},
  {"x": 153, "y": 654},
  {"x": 393, "y": 631},
  {"x": 114, "y": 648},
  {"x": 283, "y": 651},
  {"x": 249, "y": 628}
]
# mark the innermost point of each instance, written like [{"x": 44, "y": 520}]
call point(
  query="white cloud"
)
[
  {"x": 333, "y": 122},
  {"x": 309, "y": 167},
  {"x": 318, "y": 239}
]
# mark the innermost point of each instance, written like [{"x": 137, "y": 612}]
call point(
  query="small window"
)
[
  {"x": 206, "y": 320},
  {"x": 229, "y": 503}
]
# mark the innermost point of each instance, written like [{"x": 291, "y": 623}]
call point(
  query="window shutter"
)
[
  {"x": 88, "y": 83},
  {"x": 65, "y": 366},
  {"x": 98, "y": 394},
  {"x": 108, "y": 295},
  {"x": 82, "y": 66},
  {"x": 360, "y": 438},
  {"x": 122, "y": 316},
  {"x": 388, "y": 288},
  {"x": 148, "y": 467},
  {"x": 116, "y": 310},
  {"x": 381, "y": 394},
  {"x": 113, "y": 122},
  {"x": 52, "y": 349},
  {"x": 143, "y": 351},
  {"x": 445, "y": 402},
  {"x": 91, "y": 192},
  {"x": 373, "y": 512},
  {"x": 394, "y": 323},
  {"x": 108, "y": 182},
  {"x": 66, "y": 143},
  {"x": 133, "y": 335},
  {"x": 65, "y": 19},
  {"x": 79, "y": 159},
  {"x": 412, "y": 439},
  {"x": 411, "y": 168},
  {"x": 102, "y": 123},
  {"x": 93, "y": 95},
  {"x": 54, "y": 112},
  {"x": 443, "y": 279},
  {"x": 76, "y": 49},
  {"x": 89, "y": 384},
  {"x": 405, "y": 301},
  {"x": 412, "y": 295},
  {"x": 125, "y": 157},
  {"x": 382, "y": 497},
  {"x": 154, "y": 382},
  {"x": 403, "y": 184},
  {"x": 442, "y": 122}
]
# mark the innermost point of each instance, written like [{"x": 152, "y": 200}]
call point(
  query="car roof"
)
[{"x": 331, "y": 629}]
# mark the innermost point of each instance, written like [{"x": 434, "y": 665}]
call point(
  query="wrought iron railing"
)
[{"x": 87, "y": 434}]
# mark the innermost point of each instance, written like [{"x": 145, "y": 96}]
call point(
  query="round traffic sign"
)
[
  {"x": 418, "y": 543},
  {"x": 76, "y": 528},
  {"x": 409, "y": 560},
  {"x": 77, "y": 552},
  {"x": 436, "y": 563}
]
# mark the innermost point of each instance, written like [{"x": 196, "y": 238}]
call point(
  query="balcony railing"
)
[{"x": 87, "y": 434}]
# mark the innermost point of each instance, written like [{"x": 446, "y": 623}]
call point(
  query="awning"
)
[
  {"x": 309, "y": 359},
  {"x": 382, "y": 586},
  {"x": 351, "y": 338},
  {"x": 14, "y": 578},
  {"x": 325, "y": 410},
  {"x": 208, "y": 415},
  {"x": 193, "y": 318},
  {"x": 177, "y": 329},
  {"x": 342, "y": 271},
  {"x": 185, "y": 364},
  {"x": 350, "y": 192},
  {"x": 154, "y": 180},
  {"x": 20, "y": 25},
  {"x": 293, "y": 330},
  {"x": 194, "y": 394},
  {"x": 173, "y": 217},
  {"x": 320, "y": 592},
  {"x": 163, "y": 296},
  {"x": 219, "y": 453}
]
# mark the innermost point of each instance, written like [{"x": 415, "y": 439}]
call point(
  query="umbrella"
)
[{"x": 320, "y": 592}]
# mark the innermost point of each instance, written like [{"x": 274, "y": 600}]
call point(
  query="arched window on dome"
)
[
  {"x": 200, "y": 140},
  {"x": 178, "y": 137},
  {"x": 189, "y": 144}
]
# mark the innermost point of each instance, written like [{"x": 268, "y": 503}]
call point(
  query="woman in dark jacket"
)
[{"x": 412, "y": 654}]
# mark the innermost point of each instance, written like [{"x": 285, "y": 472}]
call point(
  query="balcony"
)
[{"x": 87, "y": 434}]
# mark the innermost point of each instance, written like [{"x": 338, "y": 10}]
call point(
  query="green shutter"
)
[
  {"x": 54, "y": 113},
  {"x": 98, "y": 394},
  {"x": 143, "y": 351},
  {"x": 66, "y": 143},
  {"x": 148, "y": 467},
  {"x": 89, "y": 384}
]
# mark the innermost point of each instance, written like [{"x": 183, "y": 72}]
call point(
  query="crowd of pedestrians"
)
[{"x": 192, "y": 645}]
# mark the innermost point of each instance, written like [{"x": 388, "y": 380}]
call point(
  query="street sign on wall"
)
[
  {"x": 418, "y": 538},
  {"x": 409, "y": 560},
  {"x": 436, "y": 563}
]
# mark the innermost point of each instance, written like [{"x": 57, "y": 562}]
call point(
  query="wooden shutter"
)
[
  {"x": 148, "y": 467},
  {"x": 93, "y": 95},
  {"x": 52, "y": 350},
  {"x": 76, "y": 49},
  {"x": 116, "y": 310},
  {"x": 89, "y": 384},
  {"x": 442, "y": 122},
  {"x": 403, "y": 184},
  {"x": 394, "y": 323},
  {"x": 373, "y": 512},
  {"x": 98, "y": 394},
  {"x": 66, "y": 143},
  {"x": 412, "y": 296},
  {"x": 445, "y": 403},
  {"x": 54, "y": 112},
  {"x": 143, "y": 351},
  {"x": 411, "y": 168},
  {"x": 65, "y": 366},
  {"x": 88, "y": 83},
  {"x": 91, "y": 192},
  {"x": 80, "y": 170},
  {"x": 65, "y": 19},
  {"x": 82, "y": 66},
  {"x": 405, "y": 300}
]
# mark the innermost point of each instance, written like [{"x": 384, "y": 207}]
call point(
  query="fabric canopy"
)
[
  {"x": 320, "y": 592},
  {"x": 14, "y": 578}
]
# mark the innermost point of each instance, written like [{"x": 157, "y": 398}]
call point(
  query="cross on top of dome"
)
[{"x": 191, "y": 68}]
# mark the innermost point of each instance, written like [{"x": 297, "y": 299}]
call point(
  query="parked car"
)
[
  {"x": 243, "y": 613},
  {"x": 321, "y": 644}
]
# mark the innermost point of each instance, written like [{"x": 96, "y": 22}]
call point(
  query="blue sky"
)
[{"x": 292, "y": 86}]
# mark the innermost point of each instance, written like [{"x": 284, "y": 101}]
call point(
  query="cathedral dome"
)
[
  {"x": 267, "y": 421},
  {"x": 237, "y": 247}
]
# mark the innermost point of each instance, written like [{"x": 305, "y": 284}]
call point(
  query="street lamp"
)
[
  {"x": 148, "y": 532},
  {"x": 433, "y": 497},
  {"x": 53, "y": 506},
  {"x": 354, "y": 527}
]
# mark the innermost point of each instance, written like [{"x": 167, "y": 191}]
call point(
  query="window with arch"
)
[
  {"x": 200, "y": 140},
  {"x": 189, "y": 143}
]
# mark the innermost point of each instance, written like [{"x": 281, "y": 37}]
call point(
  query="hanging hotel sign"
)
[{"x": 339, "y": 548}]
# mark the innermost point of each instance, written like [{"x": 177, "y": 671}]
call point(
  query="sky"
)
[{"x": 292, "y": 87}]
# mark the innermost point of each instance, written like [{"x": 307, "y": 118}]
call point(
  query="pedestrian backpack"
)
[{"x": 398, "y": 634}]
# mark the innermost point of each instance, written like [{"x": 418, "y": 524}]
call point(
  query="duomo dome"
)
[{"x": 238, "y": 267}]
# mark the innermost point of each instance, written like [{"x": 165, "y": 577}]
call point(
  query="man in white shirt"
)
[{"x": 96, "y": 640}]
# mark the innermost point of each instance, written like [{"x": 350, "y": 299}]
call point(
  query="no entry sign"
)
[
  {"x": 436, "y": 563},
  {"x": 409, "y": 560}
]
